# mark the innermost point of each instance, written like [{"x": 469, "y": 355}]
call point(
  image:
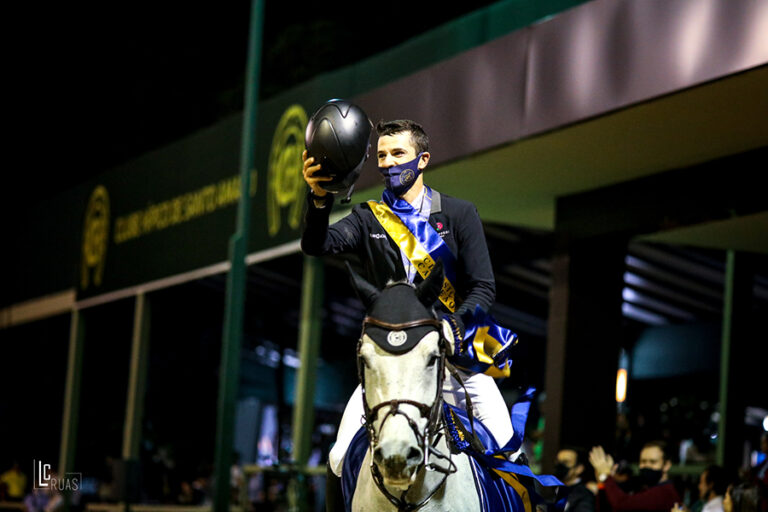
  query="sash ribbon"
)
[
  {"x": 418, "y": 240},
  {"x": 486, "y": 346}
]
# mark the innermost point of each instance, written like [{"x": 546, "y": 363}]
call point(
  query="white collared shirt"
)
[
  {"x": 422, "y": 207},
  {"x": 714, "y": 505}
]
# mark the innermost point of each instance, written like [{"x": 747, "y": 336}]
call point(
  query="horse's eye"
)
[{"x": 432, "y": 360}]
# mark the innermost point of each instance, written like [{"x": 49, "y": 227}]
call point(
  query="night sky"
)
[{"x": 92, "y": 86}]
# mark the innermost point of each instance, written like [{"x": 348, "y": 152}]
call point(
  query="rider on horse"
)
[{"x": 400, "y": 239}]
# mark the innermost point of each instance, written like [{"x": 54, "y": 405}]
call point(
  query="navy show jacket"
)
[{"x": 456, "y": 221}]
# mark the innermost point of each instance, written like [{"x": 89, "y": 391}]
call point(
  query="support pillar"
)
[
  {"x": 583, "y": 342},
  {"x": 310, "y": 333},
  {"x": 134, "y": 408},
  {"x": 71, "y": 411},
  {"x": 232, "y": 332},
  {"x": 735, "y": 359}
]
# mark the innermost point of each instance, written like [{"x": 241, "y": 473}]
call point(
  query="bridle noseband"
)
[{"x": 432, "y": 412}]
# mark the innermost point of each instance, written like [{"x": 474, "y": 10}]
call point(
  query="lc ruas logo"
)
[{"x": 43, "y": 478}]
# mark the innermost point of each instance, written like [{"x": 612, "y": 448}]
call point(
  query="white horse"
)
[{"x": 401, "y": 364}]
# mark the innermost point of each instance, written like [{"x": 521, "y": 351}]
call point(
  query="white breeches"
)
[{"x": 487, "y": 402}]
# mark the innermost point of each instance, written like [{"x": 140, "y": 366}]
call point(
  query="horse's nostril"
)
[
  {"x": 377, "y": 456},
  {"x": 414, "y": 455}
]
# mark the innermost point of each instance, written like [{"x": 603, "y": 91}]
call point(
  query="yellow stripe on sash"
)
[
  {"x": 486, "y": 347},
  {"x": 519, "y": 488},
  {"x": 413, "y": 250}
]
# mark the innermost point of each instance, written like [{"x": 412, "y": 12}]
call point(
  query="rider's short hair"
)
[{"x": 419, "y": 137}]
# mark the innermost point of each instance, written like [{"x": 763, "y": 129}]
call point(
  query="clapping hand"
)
[{"x": 602, "y": 462}]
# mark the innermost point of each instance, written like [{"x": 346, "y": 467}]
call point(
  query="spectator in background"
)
[
  {"x": 657, "y": 492},
  {"x": 37, "y": 500},
  {"x": 712, "y": 486},
  {"x": 236, "y": 479},
  {"x": 728, "y": 500},
  {"x": 573, "y": 470},
  {"x": 743, "y": 497},
  {"x": 44, "y": 500},
  {"x": 713, "y": 483},
  {"x": 694, "y": 450},
  {"x": 760, "y": 471},
  {"x": 13, "y": 483},
  {"x": 624, "y": 476}
]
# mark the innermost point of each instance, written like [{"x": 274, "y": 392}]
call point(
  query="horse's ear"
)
[
  {"x": 366, "y": 292},
  {"x": 429, "y": 290}
]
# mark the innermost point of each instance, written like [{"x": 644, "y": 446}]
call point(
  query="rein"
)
[{"x": 431, "y": 412}]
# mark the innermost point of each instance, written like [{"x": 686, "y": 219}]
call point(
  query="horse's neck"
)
[{"x": 455, "y": 493}]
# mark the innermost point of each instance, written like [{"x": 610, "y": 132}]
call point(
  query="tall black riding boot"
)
[{"x": 334, "y": 499}]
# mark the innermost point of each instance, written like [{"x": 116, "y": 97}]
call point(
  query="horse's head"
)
[{"x": 401, "y": 358}]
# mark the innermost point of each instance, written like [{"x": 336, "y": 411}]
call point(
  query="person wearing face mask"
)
[
  {"x": 573, "y": 470},
  {"x": 403, "y": 155},
  {"x": 447, "y": 228},
  {"x": 657, "y": 492}
]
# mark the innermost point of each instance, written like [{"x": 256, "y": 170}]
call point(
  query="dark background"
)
[{"x": 95, "y": 85}]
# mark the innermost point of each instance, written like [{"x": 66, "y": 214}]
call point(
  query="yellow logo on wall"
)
[
  {"x": 285, "y": 183},
  {"x": 95, "y": 237}
]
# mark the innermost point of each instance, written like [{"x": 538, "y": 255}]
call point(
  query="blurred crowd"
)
[
  {"x": 596, "y": 481},
  {"x": 161, "y": 480},
  {"x": 15, "y": 491}
]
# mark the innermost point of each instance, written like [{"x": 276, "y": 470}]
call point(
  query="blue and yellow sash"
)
[
  {"x": 530, "y": 488},
  {"x": 486, "y": 345},
  {"x": 418, "y": 240}
]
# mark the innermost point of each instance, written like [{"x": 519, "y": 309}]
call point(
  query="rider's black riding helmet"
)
[{"x": 338, "y": 137}]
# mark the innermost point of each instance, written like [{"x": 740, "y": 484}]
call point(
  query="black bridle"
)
[{"x": 432, "y": 412}]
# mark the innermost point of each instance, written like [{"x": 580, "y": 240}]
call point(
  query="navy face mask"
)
[{"x": 400, "y": 178}]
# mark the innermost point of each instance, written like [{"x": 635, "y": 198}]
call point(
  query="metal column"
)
[
  {"x": 72, "y": 395},
  {"x": 134, "y": 408},
  {"x": 725, "y": 354},
  {"x": 310, "y": 332},
  {"x": 737, "y": 357},
  {"x": 229, "y": 376}
]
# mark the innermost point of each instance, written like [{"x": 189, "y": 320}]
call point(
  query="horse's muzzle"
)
[{"x": 398, "y": 461}]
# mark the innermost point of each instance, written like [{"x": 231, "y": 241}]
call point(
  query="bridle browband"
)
[
  {"x": 434, "y": 322},
  {"x": 429, "y": 411}
]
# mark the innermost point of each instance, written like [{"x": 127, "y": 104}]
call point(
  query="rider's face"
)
[{"x": 398, "y": 149}]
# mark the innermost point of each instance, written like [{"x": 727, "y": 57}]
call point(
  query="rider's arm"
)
[
  {"x": 318, "y": 238},
  {"x": 474, "y": 262}
]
